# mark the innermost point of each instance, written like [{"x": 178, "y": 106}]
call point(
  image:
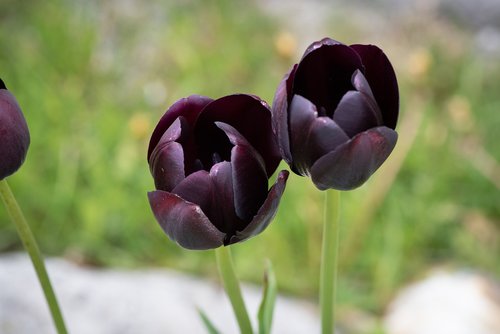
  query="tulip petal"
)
[
  {"x": 213, "y": 193},
  {"x": 320, "y": 43},
  {"x": 361, "y": 84},
  {"x": 312, "y": 136},
  {"x": 197, "y": 188},
  {"x": 184, "y": 222},
  {"x": 166, "y": 162},
  {"x": 382, "y": 79},
  {"x": 266, "y": 212},
  {"x": 302, "y": 115},
  {"x": 246, "y": 113},
  {"x": 249, "y": 174},
  {"x": 280, "y": 114},
  {"x": 14, "y": 134},
  {"x": 167, "y": 166},
  {"x": 324, "y": 75},
  {"x": 188, "y": 107},
  {"x": 324, "y": 136},
  {"x": 354, "y": 114},
  {"x": 352, "y": 163},
  {"x": 223, "y": 210}
]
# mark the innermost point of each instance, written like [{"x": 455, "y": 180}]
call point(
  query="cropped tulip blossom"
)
[
  {"x": 335, "y": 113},
  {"x": 14, "y": 134},
  {"x": 211, "y": 161}
]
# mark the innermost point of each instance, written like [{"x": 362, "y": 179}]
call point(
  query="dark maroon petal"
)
[
  {"x": 249, "y": 174},
  {"x": 324, "y": 76},
  {"x": 382, "y": 79},
  {"x": 266, "y": 212},
  {"x": 302, "y": 115},
  {"x": 359, "y": 82},
  {"x": 324, "y": 136},
  {"x": 197, "y": 188},
  {"x": 318, "y": 44},
  {"x": 188, "y": 107},
  {"x": 167, "y": 165},
  {"x": 184, "y": 222},
  {"x": 14, "y": 134},
  {"x": 166, "y": 162},
  {"x": 280, "y": 114},
  {"x": 312, "y": 136},
  {"x": 223, "y": 211},
  {"x": 354, "y": 114},
  {"x": 250, "y": 116},
  {"x": 352, "y": 163}
]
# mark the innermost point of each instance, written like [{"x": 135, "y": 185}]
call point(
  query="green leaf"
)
[
  {"x": 266, "y": 308},
  {"x": 208, "y": 324}
]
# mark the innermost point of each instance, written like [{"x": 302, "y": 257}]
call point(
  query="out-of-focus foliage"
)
[{"x": 94, "y": 77}]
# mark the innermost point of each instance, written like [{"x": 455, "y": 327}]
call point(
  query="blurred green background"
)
[{"x": 93, "y": 79}]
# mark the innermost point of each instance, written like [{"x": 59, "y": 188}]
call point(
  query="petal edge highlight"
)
[
  {"x": 352, "y": 163},
  {"x": 184, "y": 222},
  {"x": 267, "y": 211}
]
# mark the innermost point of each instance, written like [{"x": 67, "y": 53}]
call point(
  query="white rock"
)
[{"x": 446, "y": 303}]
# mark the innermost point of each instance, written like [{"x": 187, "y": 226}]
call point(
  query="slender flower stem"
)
[
  {"x": 328, "y": 278},
  {"x": 232, "y": 287},
  {"x": 31, "y": 247}
]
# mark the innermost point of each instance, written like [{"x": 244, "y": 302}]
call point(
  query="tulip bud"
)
[
  {"x": 14, "y": 134},
  {"x": 335, "y": 112}
]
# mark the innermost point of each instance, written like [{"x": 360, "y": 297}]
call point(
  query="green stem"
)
[
  {"x": 329, "y": 254},
  {"x": 31, "y": 247},
  {"x": 232, "y": 287}
]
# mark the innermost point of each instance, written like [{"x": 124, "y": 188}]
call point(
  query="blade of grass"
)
[
  {"x": 208, "y": 323},
  {"x": 266, "y": 308}
]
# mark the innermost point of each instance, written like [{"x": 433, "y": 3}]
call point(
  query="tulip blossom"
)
[
  {"x": 14, "y": 134},
  {"x": 211, "y": 161},
  {"x": 335, "y": 113}
]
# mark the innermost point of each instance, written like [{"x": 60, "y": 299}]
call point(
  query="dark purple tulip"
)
[
  {"x": 14, "y": 134},
  {"x": 335, "y": 113},
  {"x": 211, "y": 161}
]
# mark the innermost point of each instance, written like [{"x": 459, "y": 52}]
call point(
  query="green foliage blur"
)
[{"x": 93, "y": 78}]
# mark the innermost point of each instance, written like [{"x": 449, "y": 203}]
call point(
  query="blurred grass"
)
[{"x": 94, "y": 78}]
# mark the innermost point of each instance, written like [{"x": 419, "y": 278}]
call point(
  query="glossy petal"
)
[
  {"x": 352, "y": 163},
  {"x": 266, "y": 212},
  {"x": 361, "y": 84},
  {"x": 324, "y": 136},
  {"x": 249, "y": 174},
  {"x": 188, "y": 107},
  {"x": 382, "y": 79},
  {"x": 184, "y": 222},
  {"x": 324, "y": 75},
  {"x": 312, "y": 136},
  {"x": 14, "y": 134},
  {"x": 245, "y": 113},
  {"x": 167, "y": 166},
  {"x": 302, "y": 115},
  {"x": 280, "y": 114},
  {"x": 354, "y": 114},
  {"x": 166, "y": 162},
  {"x": 197, "y": 188},
  {"x": 223, "y": 212}
]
